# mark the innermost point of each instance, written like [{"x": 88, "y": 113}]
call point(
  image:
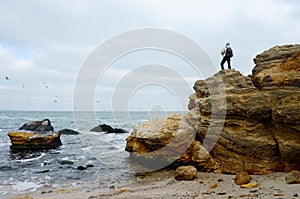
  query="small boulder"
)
[
  {"x": 101, "y": 128},
  {"x": 68, "y": 132},
  {"x": 293, "y": 177},
  {"x": 242, "y": 178},
  {"x": 186, "y": 173}
]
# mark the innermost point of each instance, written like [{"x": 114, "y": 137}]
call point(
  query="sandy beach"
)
[{"x": 161, "y": 184}]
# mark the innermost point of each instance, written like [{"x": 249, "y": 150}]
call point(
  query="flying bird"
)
[
  {"x": 7, "y": 78},
  {"x": 28, "y": 102},
  {"x": 46, "y": 86}
]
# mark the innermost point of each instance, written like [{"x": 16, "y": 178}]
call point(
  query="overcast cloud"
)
[{"x": 43, "y": 45}]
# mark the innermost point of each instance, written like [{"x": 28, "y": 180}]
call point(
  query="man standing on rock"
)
[{"x": 227, "y": 53}]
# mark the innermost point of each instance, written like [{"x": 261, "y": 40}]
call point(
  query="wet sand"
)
[{"x": 161, "y": 184}]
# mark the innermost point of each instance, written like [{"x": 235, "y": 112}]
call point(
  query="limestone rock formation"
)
[
  {"x": 168, "y": 140},
  {"x": 274, "y": 57},
  {"x": 283, "y": 72},
  {"x": 241, "y": 123},
  {"x": 35, "y": 135}
]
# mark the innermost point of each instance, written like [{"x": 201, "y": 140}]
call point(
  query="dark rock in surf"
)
[
  {"x": 117, "y": 130},
  {"x": 101, "y": 128},
  {"x": 44, "y": 125},
  {"x": 68, "y": 132}
]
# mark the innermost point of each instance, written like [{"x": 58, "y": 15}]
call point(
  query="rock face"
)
[
  {"x": 274, "y": 57},
  {"x": 35, "y": 135},
  {"x": 241, "y": 123},
  {"x": 278, "y": 67}
]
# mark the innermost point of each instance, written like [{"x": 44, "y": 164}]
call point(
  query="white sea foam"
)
[
  {"x": 31, "y": 159},
  {"x": 25, "y": 186}
]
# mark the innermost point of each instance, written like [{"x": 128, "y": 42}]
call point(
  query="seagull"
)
[{"x": 46, "y": 86}]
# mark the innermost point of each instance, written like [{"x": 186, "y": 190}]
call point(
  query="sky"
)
[{"x": 45, "y": 44}]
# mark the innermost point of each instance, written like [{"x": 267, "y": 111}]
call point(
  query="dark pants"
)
[{"x": 224, "y": 60}]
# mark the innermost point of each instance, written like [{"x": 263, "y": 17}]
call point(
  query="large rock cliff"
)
[{"x": 235, "y": 123}]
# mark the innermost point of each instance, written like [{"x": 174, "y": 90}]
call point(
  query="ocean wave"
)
[
  {"x": 31, "y": 159},
  {"x": 24, "y": 186}
]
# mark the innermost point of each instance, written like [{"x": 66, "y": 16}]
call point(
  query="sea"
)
[{"x": 102, "y": 155}]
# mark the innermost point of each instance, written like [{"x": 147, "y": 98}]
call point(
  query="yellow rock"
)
[
  {"x": 29, "y": 139},
  {"x": 250, "y": 185},
  {"x": 213, "y": 186},
  {"x": 63, "y": 191},
  {"x": 123, "y": 190}
]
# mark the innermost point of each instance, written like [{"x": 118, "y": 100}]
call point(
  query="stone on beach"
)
[
  {"x": 186, "y": 173},
  {"x": 293, "y": 177},
  {"x": 242, "y": 178},
  {"x": 169, "y": 140},
  {"x": 250, "y": 185}
]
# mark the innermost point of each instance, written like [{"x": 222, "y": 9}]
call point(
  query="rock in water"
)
[
  {"x": 44, "y": 125},
  {"x": 186, "y": 173},
  {"x": 68, "y": 132},
  {"x": 293, "y": 177},
  {"x": 117, "y": 130},
  {"x": 34, "y": 140},
  {"x": 101, "y": 128},
  {"x": 35, "y": 135},
  {"x": 242, "y": 178}
]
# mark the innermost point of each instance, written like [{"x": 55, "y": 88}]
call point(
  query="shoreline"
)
[{"x": 162, "y": 184}]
